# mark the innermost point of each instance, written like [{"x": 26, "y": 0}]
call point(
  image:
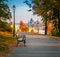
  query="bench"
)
[{"x": 21, "y": 38}]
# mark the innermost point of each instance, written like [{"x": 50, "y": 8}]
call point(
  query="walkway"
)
[{"x": 38, "y": 46}]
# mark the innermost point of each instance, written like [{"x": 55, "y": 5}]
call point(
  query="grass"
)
[{"x": 6, "y": 41}]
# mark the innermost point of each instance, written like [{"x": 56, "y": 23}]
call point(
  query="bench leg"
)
[
  {"x": 17, "y": 43},
  {"x": 24, "y": 43}
]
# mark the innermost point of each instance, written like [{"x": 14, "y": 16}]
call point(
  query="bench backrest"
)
[{"x": 21, "y": 36}]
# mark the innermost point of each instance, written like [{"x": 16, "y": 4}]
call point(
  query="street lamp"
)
[{"x": 14, "y": 20}]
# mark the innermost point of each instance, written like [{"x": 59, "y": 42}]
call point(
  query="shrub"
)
[
  {"x": 55, "y": 32},
  {"x": 25, "y": 29},
  {"x": 8, "y": 28},
  {"x": 32, "y": 31},
  {"x": 3, "y": 46},
  {"x": 4, "y": 26}
]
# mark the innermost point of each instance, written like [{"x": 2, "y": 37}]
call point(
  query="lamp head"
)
[{"x": 14, "y": 7}]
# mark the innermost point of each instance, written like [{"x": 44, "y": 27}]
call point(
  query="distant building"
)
[{"x": 34, "y": 25}]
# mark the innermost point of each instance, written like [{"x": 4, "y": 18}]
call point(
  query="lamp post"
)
[
  {"x": 14, "y": 20},
  {"x": 38, "y": 25}
]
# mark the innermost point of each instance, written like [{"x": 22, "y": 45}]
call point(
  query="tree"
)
[
  {"x": 49, "y": 9},
  {"x": 22, "y": 25},
  {"x": 4, "y": 10},
  {"x": 39, "y": 10},
  {"x": 4, "y": 15}
]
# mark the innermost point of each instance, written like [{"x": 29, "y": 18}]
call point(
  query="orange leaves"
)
[{"x": 22, "y": 25}]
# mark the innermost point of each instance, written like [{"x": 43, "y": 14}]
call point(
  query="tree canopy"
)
[
  {"x": 4, "y": 10},
  {"x": 49, "y": 9},
  {"x": 5, "y": 14}
]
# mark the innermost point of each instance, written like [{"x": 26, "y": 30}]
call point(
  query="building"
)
[{"x": 34, "y": 26}]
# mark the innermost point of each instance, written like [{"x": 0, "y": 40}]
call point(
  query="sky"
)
[{"x": 21, "y": 11}]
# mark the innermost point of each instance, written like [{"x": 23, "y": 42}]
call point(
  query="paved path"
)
[{"x": 38, "y": 46}]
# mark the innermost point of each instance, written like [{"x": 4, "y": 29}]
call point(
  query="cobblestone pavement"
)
[{"x": 38, "y": 46}]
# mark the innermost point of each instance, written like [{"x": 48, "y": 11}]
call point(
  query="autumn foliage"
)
[{"x": 23, "y": 27}]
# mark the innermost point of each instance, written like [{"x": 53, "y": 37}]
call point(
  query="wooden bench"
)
[{"x": 21, "y": 38}]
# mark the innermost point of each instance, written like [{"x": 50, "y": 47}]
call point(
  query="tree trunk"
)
[
  {"x": 58, "y": 20},
  {"x": 46, "y": 27}
]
